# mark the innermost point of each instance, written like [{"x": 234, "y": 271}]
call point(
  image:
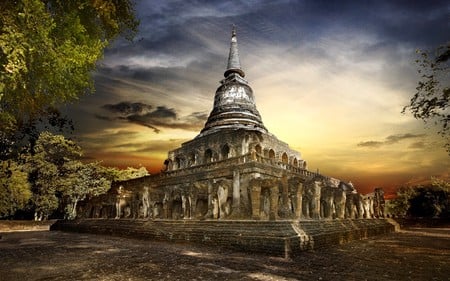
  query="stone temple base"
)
[{"x": 277, "y": 238}]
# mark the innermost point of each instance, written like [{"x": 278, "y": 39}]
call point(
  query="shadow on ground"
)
[{"x": 411, "y": 254}]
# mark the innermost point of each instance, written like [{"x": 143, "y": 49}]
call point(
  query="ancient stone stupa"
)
[
  {"x": 233, "y": 169},
  {"x": 235, "y": 185}
]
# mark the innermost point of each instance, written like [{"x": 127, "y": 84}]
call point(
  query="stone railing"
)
[{"x": 233, "y": 161}]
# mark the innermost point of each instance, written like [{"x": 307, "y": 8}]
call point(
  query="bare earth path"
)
[{"x": 412, "y": 254}]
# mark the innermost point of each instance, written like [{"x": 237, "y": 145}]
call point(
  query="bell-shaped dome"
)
[{"x": 234, "y": 104}]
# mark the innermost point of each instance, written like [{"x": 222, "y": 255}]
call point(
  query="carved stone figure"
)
[
  {"x": 121, "y": 203},
  {"x": 222, "y": 198},
  {"x": 167, "y": 204},
  {"x": 265, "y": 203},
  {"x": 135, "y": 205},
  {"x": 340, "y": 197},
  {"x": 350, "y": 206},
  {"x": 326, "y": 202},
  {"x": 295, "y": 196},
  {"x": 378, "y": 202},
  {"x": 215, "y": 204},
  {"x": 368, "y": 205},
  {"x": 359, "y": 204},
  {"x": 311, "y": 200},
  {"x": 146, "y": 206}
]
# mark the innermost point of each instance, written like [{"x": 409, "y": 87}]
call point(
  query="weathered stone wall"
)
[
  {"x": 278, "y": 238},
  {"x": 245, "y": 187},
  {"x": 231, "y": 143}
]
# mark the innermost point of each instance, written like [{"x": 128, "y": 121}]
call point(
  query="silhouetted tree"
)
[
  {"x": 432, "y": 99},
  {"x": 423, "y": 201}
]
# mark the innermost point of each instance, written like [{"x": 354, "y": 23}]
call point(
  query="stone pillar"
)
[
  {"x": 273, "y": 214},
  {"x": 285, "y": 211},
  {"x": 209, "y": 214},
  {"x": 255, "y": 186},
  {"x": 236, "y": 193},
  {"x": 299, "y": 201}
]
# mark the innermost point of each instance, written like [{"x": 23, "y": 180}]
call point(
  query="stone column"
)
[
  {"x": 285, "y": 211},
  {"x": 255, "y": 186},
  {"x": 209, "y": 214},
  {"x": 273, "y": 214},
  {"x": 299, "y": 201},
  {"x": 236, "y": 193}
]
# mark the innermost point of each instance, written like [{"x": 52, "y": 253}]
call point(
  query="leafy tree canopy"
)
[
  {"x": 48, "y": 49},
  {"x": 59, "y": 179},
  {"x": 432, "y": 100}
]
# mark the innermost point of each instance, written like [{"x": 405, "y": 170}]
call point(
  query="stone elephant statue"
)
[
  {"x": 368, "y": 205},
  {"x": 122, "y": 203},
  {"x": 378, "y": 202},
  {"x": 295, "y": 189},
  {"x": 327, "y": 202},
  {"x": 311, "y": 200},
  {"x": 354, "y": 206},
  {"x": 340, "y": 197},
  {"x": 223, "y": 204}
]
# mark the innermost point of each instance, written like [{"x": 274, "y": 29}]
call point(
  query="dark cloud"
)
[
  {"x": 128, "y": 108},
  {"x": 392, "y": 139},
  {"x": 161, "y": 117}
]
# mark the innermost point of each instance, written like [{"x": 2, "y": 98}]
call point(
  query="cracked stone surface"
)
[{"x": 411, "y": 254}]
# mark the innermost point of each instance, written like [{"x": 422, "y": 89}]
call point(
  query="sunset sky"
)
[{"x": 329, "y": 77}]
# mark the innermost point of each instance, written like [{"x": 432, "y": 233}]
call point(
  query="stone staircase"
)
[{"x": 277, "y": 238}]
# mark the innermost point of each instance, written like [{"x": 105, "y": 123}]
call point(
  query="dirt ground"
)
[{"x": 411, "y": 254}]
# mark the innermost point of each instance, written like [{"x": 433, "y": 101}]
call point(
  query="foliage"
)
[
  {"x": 82, "y": 180},
  {"x": 422, "y": 201},
  {"x": 14, "y": 188},
  {"x": 127, "y": 174},
  {"x": 48, "y": 52},
  {"x": 432, "y": 99},
  {"x": 59, "y": 179},
  {"x": 51, "y": 153},
  {"x": 48, "y": 49}
]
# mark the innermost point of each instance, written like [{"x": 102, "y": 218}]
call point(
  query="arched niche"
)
[
  {"x": 258, "y": 149},
  {"x": 295, "y": 162},
  {"x": 178, "y": 163},
  {"x": 193, "y": 158},
  {"x": 225, "y": 152},
  {"x": 284, "y": 158},
  {"x": 271, "y": 154},
  {"x": 208, "y": 156}
]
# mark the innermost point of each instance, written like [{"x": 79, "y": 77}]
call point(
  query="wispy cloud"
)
[{"x": 392, "y": 139}]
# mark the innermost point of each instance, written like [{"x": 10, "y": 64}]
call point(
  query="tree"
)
[
  {"x": 401, "y": 204},
  {"x": 423, "y": 201},
  {"x": 47, "y": 177},
  {"x": 80, "y": 181},
  {"x": 127, "y": 174},
  {"x": 15, "y": 190},
  {"x": 432, "y": 99},
  {"x": 48, "y": 52},
  {"x": 48, "y": 49},
  {"x": 60, "y": 180}
]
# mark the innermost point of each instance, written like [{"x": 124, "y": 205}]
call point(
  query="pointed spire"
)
[{"x": 234, "y": 64}]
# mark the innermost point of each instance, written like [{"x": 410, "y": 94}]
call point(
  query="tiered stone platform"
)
[{"x": 279, "y": 238}]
